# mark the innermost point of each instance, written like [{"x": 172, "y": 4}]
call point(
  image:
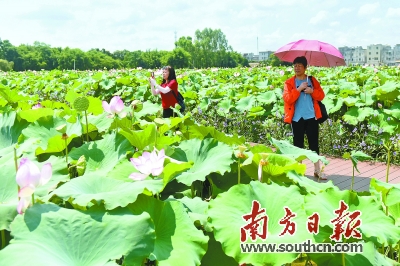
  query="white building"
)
[{"x": 375, "y": 54}]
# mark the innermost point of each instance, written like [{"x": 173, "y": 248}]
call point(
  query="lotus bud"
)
[{"x": 137, "y": 105}]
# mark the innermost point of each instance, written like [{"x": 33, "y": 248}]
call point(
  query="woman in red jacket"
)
[
  {"x": 166, "y": 90},
  {"x": 301, "y": 96}
]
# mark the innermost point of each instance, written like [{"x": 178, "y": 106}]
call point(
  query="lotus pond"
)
[{"x": 91, "y": 175}]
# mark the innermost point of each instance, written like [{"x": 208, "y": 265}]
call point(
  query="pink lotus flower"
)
[
  {"x": 115, "y": 107},
  {"x": 37, "y": 106},
  {"x": 236, "y": 74},
  {"x": 29, "y": 178},
  {"x": 149, "y": 163},
  {"x": 282, "y": 72},
  {"x": 269, "y": 67}
]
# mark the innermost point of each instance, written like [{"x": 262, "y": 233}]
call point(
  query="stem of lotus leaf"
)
[
  {"x": 16, "y": 166},
  {"x": 116, "y": 126},
  {"x": 192, "y": 189},
  {"x": 343, "y": 260},
  {"x": 343, "y": 254},
  {"x": 33, "y": 198},
  {"x": 66, "y": 151},
  {"x": 3, "y": 238},
  {"x": 87, "y": 128},
  {"x": 238, "y": 170},
  {"x": 388, "y": 166}
]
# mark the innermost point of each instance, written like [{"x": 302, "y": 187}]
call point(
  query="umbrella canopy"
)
[{"x": 317, "y": 53}]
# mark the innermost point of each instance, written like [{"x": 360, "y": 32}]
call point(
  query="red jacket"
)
[
  {"x": 168, "y": 99},
  {"x": 291, "y": 94}
]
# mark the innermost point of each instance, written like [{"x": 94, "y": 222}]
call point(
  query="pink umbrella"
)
[{"x": 317, "y": 53}]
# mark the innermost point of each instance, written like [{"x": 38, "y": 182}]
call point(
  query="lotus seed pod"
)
[{"x": 81, "y": 103}]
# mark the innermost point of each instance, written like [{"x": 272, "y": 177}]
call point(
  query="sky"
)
[{"x": 250, "y": 26}]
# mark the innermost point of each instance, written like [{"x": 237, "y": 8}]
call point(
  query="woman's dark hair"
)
[
  {"x": 171, "y": 74},
  {"x": 300, "y": 60}
]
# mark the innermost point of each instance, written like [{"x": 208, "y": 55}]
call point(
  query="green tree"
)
[
  {"x": 273, "y": 60},
  {"x": 9, "y": 52},
  {"x": 178, "y": 58},
  {"x": 211, "y": 45},
  {"x": 100, "y": 60},
  {"x": 5, "y": 65},
  {"x": 67, "y": 57}
]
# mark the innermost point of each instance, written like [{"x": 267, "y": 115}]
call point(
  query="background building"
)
[{"x": 375, "y": 54}]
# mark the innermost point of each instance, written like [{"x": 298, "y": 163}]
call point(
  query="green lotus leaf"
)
[
  {"x": 92, "y": 188},
  {"x": 276, "y": 169},
  {"x": 246, "y": 103},
  {"x": 216, "y": 254},
  {"x": 309, "y": 185},
  {"x": 375, "y": 225},
  {"x": 356, "y": 156},
  {"x": 54, "y": 105},
  {"x": 8, "y": 192},
  {"x": 226, "y": 105},
  {"x": 347, "y": 88},
  {"x": 296, "y": 153},
  {"x": 262, "y": 84},
  {"x": 204, "y": 103},
  {"x": 390, "y": 193},
  {"x": 95, "y": 106},
  {"x": 355, "y": 115},
  {"x": 208, "y": 155},
  {"x": 100, "y": 122},
  {"x": 170, "y": 123},
  {"x": 41, "y": 136},
  {"x": 107, "y": 84},
  {"x": 102, "y": 155},
  {"x": 201, "y": 132},
  {"x": 331, "y": 107},
  {"x": 268, "y": 97},
  {"x": 48, "y": 234},
  {"x": 11, "y": 95},
  {"x": 369, "y": 257},
  {"x": 366, "y": 99},
  {"x": 141, "y": 138},
  {"x": 388, "y": 91},
  {"x": 172, "y": 226},
  {"x": 10, "y": 129},
  {"x": 226, "y": 214},
  {"x": 32, "y": 115},
  {"x": 149, "y": 108},
  {"x": 197, "y": 210},
  {"x": 388, "y": 126},
  {"x": 123, "y": 80}
]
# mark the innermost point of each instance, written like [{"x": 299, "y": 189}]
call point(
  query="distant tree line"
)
[{"x": 209, "y": 49}]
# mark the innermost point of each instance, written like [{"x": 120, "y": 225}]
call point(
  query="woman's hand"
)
[
  {"x": 309, "y": 90},
  {"x": 302, "y": 86},
  {"x": 153, "y": 82}
]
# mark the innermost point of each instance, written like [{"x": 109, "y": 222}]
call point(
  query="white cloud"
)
[
  {"x": 393, "y": 12},
  {"x": 368, "y": 9},
  {"x": 375, "y": 20},
  {"x": 334, "y": 23},
  {"x": 344, "y": 11},
  {"x": 317, "y": 18}
]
